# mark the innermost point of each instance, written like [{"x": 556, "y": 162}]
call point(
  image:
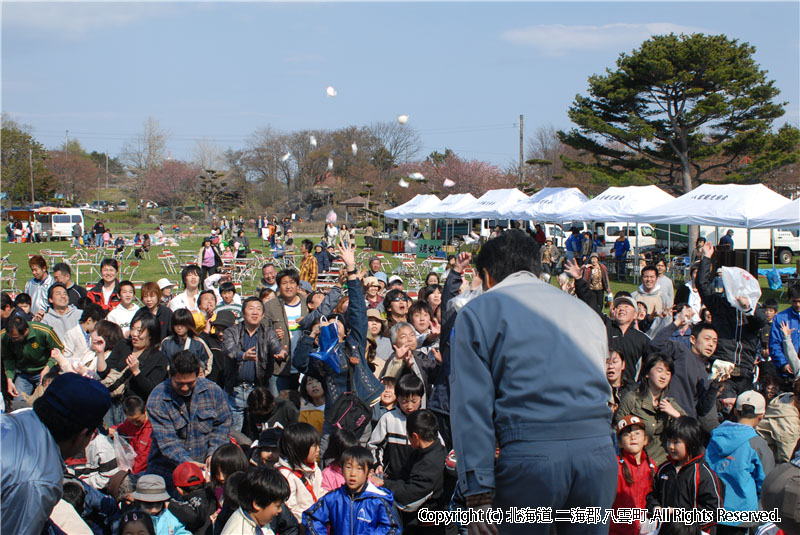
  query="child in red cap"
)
[{"x": 197, "y": 502}]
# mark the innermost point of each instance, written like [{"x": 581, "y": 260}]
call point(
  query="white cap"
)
[
  {"x": 164, "y": 283},
  {"x": 395, "y": 278},
  {"x": 752, "y": 398}
]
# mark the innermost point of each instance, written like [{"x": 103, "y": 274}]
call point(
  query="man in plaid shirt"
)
[
  {"x": 190, "y": 418},
  {"x": 308, "y": 268}
]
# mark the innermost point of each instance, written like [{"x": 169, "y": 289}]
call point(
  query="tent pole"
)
[
  {"x": 772, "y": 245},
  {"x": 636, "y": 257},
  {"x": 747, "y": 268},
  {"x": 669, "y": 246}
]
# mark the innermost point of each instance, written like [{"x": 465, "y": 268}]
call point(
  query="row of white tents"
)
[{"x": 721, "y": 205}]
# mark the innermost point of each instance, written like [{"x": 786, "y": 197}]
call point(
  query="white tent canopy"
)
[
  {"x": 546, "y": 205},
  {"x": 490, "y": 205},
  {"x": 787, "y": 216},
  {"x": 411, "y": 208},
  {"x": 452, "y": 203},
  {"x": 721, "y": 205},
  {"x": 624, "y": 204}
]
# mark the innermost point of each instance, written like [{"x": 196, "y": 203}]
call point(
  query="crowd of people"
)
[{"x": 352, "y": 410}]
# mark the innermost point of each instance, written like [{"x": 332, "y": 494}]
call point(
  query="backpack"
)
[
  {"x": 116, "y": 381},
  {"x": 349, "y": 411}
]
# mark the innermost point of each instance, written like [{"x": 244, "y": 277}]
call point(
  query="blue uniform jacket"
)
[
  {"x": 776, "y": 336},
  {"x": 371, "y": 512}
]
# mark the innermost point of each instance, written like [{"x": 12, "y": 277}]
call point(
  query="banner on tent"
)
[{"x": 426, "y": 248}]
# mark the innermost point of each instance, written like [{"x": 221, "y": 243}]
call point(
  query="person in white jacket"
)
[{"x": 299, "y": 450}]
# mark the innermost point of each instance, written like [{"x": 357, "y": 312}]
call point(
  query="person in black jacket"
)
[
  {"x": 632, "y": 344},
  {"x": 690, "y": 385},
  {"x": 251, "y": 348},
  {"x": 142, "y": 365},
  {"x": 686, "y": 482},
  {"x": 197, "y": 500},
  {"x": 738, "y": 328},
  {"x": 421, "y": 480}
]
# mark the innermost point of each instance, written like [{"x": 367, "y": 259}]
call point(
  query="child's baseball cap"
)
[
  {"x": 630, "y": 421},
  {"x": 188, "y": 474}
]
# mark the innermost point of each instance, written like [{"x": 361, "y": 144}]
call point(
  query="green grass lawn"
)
[{"x": 128, "y": 223}]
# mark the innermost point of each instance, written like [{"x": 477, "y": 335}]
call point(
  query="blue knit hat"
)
[{"x": 82, "y": 400}]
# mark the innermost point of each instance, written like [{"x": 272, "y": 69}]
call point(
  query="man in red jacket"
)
[{"x": 136, "y": 429}]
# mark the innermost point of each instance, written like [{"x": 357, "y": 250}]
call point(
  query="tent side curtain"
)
[
  {"x": 722, "y": 205},
  {"x": 787, "y": 216}
]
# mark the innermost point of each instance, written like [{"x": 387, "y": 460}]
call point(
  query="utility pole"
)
[
  {"x": 30, "y": 161},
  {"x": 106, "y": 169},
  {"x": 521, "y": 162},
  {"x": 98, "y": 187}
]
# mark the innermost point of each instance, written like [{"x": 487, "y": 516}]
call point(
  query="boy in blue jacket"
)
[
  {"x": 741, "y": 458},
  {"x": 358, "y": 506}
]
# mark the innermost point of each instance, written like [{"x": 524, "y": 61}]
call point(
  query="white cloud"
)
[
  {"x": 76, "y": 20},
  {"x": 561, "y": 39}
]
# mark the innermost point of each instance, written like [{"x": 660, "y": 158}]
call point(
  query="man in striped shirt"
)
[{"x": 308, "y": 267}]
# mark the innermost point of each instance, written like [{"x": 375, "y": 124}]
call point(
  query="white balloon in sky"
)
[
  {"x": 330, "y": 91},
  {"x": 448, "y": 183},
  {"x": 286, "y": 156},
  {"x": 402, "y": 183},
  {"x": 355, "y": 149},
  {"x": 313, "y": 141},
  {"x": 330, "y": 164},
  {"x": 416, "y": 176},
  {"x": 402, "y": 119}
]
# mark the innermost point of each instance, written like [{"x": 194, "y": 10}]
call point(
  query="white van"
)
[
  {"x": 61, "y": 224},
  {"x": 786, "y": 242},
  {"x": 611, "y": 230}
]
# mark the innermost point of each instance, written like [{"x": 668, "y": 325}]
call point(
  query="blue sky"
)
[{"x": 464, "y": 72}]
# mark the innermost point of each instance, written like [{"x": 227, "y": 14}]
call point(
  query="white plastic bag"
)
[
  {"x": 124, "y": 453},
  {"x": 649, "y": 527},
  {"x": 740, "y": 283}
]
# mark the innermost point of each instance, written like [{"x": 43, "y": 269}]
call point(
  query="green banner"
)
[{"x": 426, "y": 248}]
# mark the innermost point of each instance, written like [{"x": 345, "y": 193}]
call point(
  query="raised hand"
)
[
  {"x": 462, "y": 262},
  {"x": 572, "y": 269},
  {"x": 348, "y": 254},
  {"x": 708, "y": 249}
]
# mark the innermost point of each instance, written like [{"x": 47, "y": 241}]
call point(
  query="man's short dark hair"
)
[
  {"x": 423, "y": 423},
  {"x": 92, "y": 312},
  {"x": 650, "y": 267},
  {"x": 185, "y": 362},
  {"x": 697, "y": 328},
  {"x": 418, "y": 307},
  {"x": 794, "y": 291},
  {"x": 251, "y": 299},
  {"x": 6, "y": 301},
  {"x": 290, "y": 272},
  {"x": 53, "y": 287},
  {"x": 262, "y": 486},
  {"x": 132, "y": 405},
  {"x": 771, "y": 303},
  {"x": 359, "y": 455},
  {"x": 206, "y": 292},
  {"x": 16, "y": 324},
  {"x": 310, "y": 297},
  {"x": 308, "y": 245},
  {"x": 191, "y": 268},
  {"x": 112, "y": 262},
  {"x": 409, "y": 385},
  {"x": 22, "y": 299},
  {"x": 63, "y": 267},
  {"x": 265, "y": 266},
  {"x": 227, "y": 286},
  {"x": 128, "y": 283},
  {"x": 74, "y": 494},
  {"x": 509, "y": 253}
]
